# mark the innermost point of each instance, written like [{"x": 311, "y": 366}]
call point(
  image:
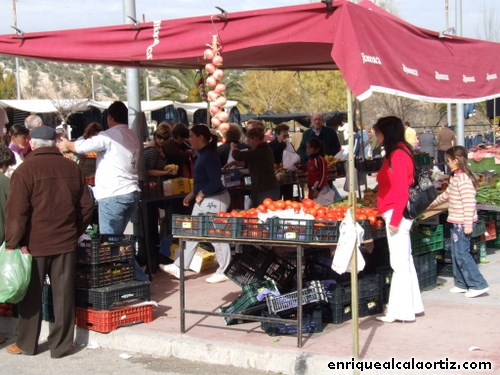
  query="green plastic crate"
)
[{"x": 427, "y": 238}]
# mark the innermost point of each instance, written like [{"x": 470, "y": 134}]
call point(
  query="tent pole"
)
[{"x": 352, "y": 202}]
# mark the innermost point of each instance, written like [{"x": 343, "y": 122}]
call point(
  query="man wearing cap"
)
[
  {"x": 116, "y": 179},
  {"x": 50, "y": 209}
]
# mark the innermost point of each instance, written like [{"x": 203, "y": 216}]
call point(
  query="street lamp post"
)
[{"x": 18, "y": 74}]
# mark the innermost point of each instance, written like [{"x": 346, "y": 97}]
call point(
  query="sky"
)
[{"x": 45, "y": 15}]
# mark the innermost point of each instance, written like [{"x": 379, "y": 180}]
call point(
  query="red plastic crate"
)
[{"x": 108, "y": 320}]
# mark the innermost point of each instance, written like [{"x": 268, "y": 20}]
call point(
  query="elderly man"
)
[
  {"x": 50, "y": 209},
  {"x": 31, "y": 122},
  {"x": 327, "y": 135}
]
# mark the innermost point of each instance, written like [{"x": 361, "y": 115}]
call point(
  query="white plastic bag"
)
[
  {"x": 325, "y": 196},
  {"x": 351, "y": 235},
  {"x": 290, "y": 157}
]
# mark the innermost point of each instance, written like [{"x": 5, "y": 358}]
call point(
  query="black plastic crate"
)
[
  {"x": 370, "y": 306},
  {"x": 297, "y": 230},
  {"x": 257, "y": 264},
  {"x": 312, "y": 322},
  {"x": 325, "y": 231},
  {"x": 228, "y": 227},
  {"x": 113, "y": 296},
  {"x": 252, "y": 227},
  {"x": 385, "y": 277},
  {"x": 249, "y": 302},
  {"x": 187, "y": 225},
  {"x": 98, "y": 275},
  {"x": 444, "y": 269},
  {"x": 315, "y": 293},
  {"x": 106, "y": 248},
  {"x": 368, "y": 286},
  {"x": 426, "y": 267}
]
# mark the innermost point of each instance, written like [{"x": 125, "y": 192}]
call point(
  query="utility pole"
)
[
  {"x": 460, "y": 107},
  {"x": 18, "y": 74},
  {"x": 448, "y": 105}
]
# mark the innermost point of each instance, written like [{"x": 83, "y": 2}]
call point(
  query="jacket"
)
[{"x": 50, "y": 205}]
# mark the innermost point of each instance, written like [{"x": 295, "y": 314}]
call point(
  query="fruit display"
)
[{"x": 6, "y": 309}]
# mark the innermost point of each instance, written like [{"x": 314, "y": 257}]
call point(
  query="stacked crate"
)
[
  {"x": 426, "y": 240},
  {"x": 105, "y": 290}
]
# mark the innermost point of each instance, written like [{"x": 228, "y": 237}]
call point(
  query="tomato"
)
[
  {"x": 321, "y": 211},
  {"x": 280, "y": 204},
  {"x": 308, "y": 203},
  {"x": 296, "y": 206},
  {"x": 372, "y": 219},
  {"x": 267, "y": 202},
  {"x": 272, "y": 206},
  {"x": 261, "y": 208}
]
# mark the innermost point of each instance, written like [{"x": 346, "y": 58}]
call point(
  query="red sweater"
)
[
  {"x": 317, "y": 171},
  {"x": 394, "y": 179}
]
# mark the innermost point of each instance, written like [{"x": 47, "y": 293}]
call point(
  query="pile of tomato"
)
[{"x": 309, "y": 206}]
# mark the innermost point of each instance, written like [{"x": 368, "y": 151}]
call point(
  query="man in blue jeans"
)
[{"x": 116, "y": 178}]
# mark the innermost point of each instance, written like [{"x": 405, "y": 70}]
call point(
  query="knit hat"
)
[{"x": 43, "y": 132}]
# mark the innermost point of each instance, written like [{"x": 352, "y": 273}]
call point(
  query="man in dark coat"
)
[
  {"x": 327, "y": 135},
  {"x": 50, "y": 209}
]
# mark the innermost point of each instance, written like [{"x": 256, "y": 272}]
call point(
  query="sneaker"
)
[
  {"x": 476, "y": 292},
  {"x": 484, "y": 261},
  {"x": 172, "y": 269},
  {"x": 217, "y": 278},
  {"x": 456, "y": 290}
]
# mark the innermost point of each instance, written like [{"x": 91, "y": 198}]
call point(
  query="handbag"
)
[{"x": 420, "y": 194}]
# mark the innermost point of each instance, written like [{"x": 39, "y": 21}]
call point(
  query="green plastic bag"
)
[{"x": 15, "y": 271}]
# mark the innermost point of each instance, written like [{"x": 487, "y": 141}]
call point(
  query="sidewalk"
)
[{"x": 451, "y": 326}]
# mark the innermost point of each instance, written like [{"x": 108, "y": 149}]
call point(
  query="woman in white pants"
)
[{"x": 394, "y": 178}]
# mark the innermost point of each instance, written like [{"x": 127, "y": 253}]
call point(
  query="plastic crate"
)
[
  {"x": 218, "y": 226},
  {"x": 478, "y": 229},
  {"x": 108, "y": 320},
  {"x": 385, "y": 278},
  {"x": 106, "y": 248},
  {"x": 314, "y": 293},
  {"x": 444, "y": 269},
  {"x": 113, "y": 296},
  {"x": 370, "y": 306},
  {"x": 256, "y": 264},
  {"x": 426, "y": 267},
  {"x": 299, "y": 230},
  {"x": 368, "y": 286},
  {"x": 312, "y": 322},
  {"x": 249, "y": 301},
  {"x": 325, "y": 231},
  {"x": 253, "y": 228},
  {"x": 187, "y": 225},
  {"x": 427, "y": 238},
  {"x": 98, "y": 275}
]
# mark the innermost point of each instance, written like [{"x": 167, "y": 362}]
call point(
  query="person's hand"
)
[
  {"x": 467, "y": 229},
  {"x": 393, "y": 229},
  {"x": 228, "y": 165},
  {"x": 62, "y": 144},
  {"x": 199, "y": 197},
  {"x": 187, "y": 199}
]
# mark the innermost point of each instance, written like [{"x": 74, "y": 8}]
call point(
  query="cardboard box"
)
[
  {"x": 203, "y": 260},
  {"x": 434, "y": 211},
  {"x": 176, "y": 186}
]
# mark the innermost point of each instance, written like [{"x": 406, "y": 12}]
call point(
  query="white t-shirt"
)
[{"x": 118, "y": 153}]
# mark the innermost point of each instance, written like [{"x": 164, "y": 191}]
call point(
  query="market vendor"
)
[{"x": 260, "y": 163}]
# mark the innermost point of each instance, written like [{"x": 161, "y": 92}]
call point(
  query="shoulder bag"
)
[{"x": 421, "y": 193}]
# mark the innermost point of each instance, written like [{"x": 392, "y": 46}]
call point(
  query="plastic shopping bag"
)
[
  {"x": 15, "y": 268},
  {"x": 290, "y": 157},
  {"x": 351, "y": 236},
  {"x": 326, "y": 196}
]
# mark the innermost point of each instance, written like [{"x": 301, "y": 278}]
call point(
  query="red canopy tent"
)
[{"x": 375, "y": 51}]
